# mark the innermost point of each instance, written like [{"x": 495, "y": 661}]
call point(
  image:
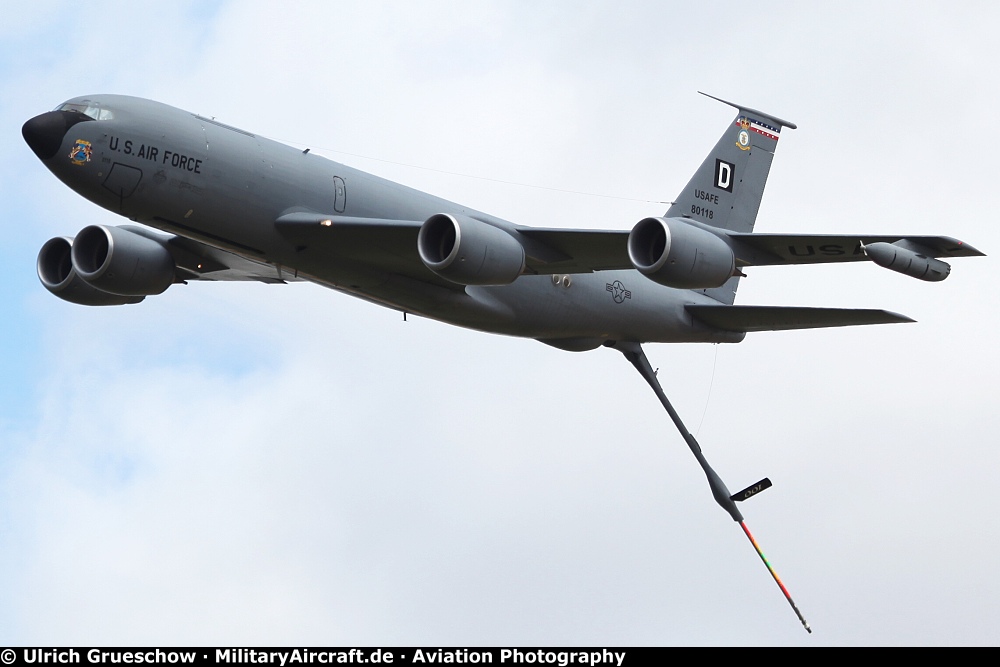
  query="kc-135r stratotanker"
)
[{"x": 237, "y": 206}]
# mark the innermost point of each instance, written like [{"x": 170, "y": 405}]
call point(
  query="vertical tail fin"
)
[{"x": 726, "y": 190}]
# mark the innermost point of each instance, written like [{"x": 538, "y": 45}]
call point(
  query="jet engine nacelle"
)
[
  {"x": 55, "y": 270},
  {"x": 909, "y": 259},
  {"x": 677, "y": 254},
  {"x": 119, "y": 261},
  {"x": 468, "y": 251}
]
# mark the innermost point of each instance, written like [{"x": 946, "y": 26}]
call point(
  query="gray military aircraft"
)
[{"x": 238, "y": 206}]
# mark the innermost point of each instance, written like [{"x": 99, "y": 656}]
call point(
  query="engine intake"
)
[
  {"x": 116, "y": 260},
  {"x": 677, "y": 254},
  {"x": 56, "y": 272},
  {"x": 469, "y": 251}
]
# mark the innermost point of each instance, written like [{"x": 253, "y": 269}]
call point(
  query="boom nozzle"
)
[{"x": 777, "y": 579}]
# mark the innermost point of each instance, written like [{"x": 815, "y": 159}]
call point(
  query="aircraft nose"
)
[{"x": 44, "y": 133}]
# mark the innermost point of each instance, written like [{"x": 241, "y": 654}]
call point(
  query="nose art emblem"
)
[{"x": 80, "y": 153}]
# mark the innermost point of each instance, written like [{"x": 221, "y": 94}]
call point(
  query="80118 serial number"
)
[{"x": 704, "y": 212}]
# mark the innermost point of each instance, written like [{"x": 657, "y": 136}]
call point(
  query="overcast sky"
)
[{"x": 251, "y": 464}]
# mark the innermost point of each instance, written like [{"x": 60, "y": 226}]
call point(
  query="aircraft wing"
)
[
  {"x": 389, "y": 243},
  {"x": 576, "y": 250},
  {"x": 198, "y": 261},
  {"x": 772, "y": 249},
  {"x": 599, "y": 250},
  {"x": 383, "y": 245},
  {"x": 392, "y": 244}
]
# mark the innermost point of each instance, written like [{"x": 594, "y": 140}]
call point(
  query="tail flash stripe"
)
[{"x": 759, "y": 127}]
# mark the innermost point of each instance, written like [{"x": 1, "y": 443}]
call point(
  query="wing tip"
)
[{"x": 899, "y": 318}]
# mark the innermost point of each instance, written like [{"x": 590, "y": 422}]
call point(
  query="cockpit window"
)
[{"x": 87, "y": 109}]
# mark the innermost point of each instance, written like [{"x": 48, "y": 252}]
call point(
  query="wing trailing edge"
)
[{"x": 781, "y": 318}]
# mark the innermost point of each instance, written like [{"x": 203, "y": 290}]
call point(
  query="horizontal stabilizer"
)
[{"x": 781, "y": 318}]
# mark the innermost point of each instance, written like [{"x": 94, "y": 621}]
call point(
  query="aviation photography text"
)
[{"x": 311, "y": 656}]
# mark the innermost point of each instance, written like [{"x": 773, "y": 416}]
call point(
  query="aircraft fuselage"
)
[{"x": 197, "y": 178}]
